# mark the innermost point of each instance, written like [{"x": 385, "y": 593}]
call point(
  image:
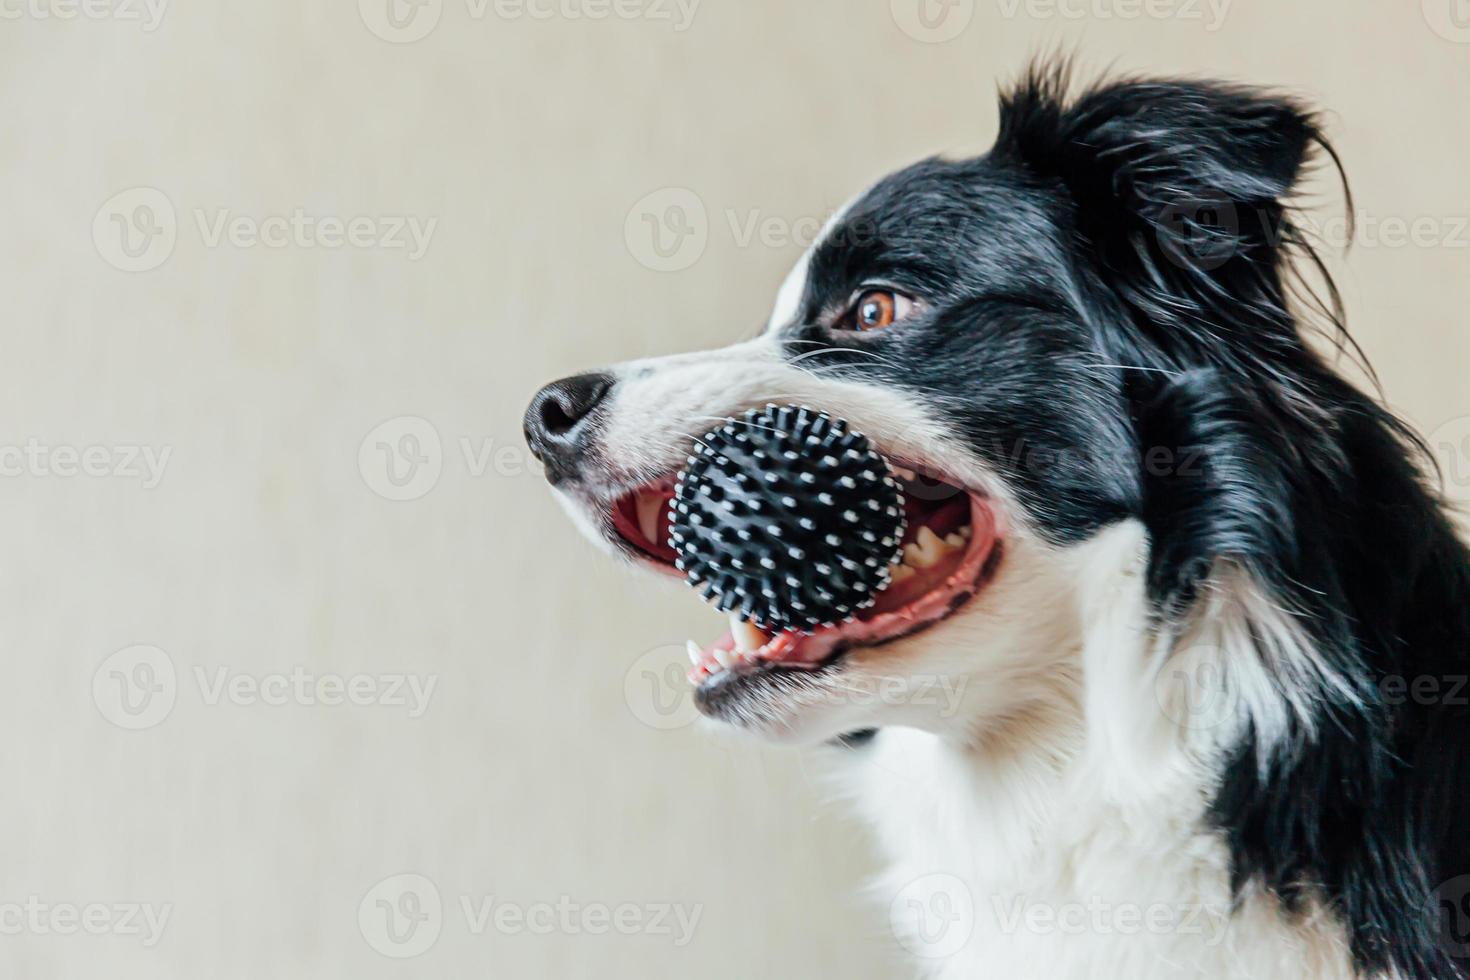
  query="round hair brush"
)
[{"x": 787, "y": 517}]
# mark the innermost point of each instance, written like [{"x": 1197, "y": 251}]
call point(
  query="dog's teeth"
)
[
  {"x": 748, "y": 638},
  {"x": 925, "y": 551},
  {"x": 918, "y": 557},
  {"x": 648, "y": 506},
  {"x": 954, "y": 540},
  {"x": 724, "y": 657},
  {"x": 967, "y": 532},
  {"x": 901, "y": 572},
  {"x": 696, "y": 653}
]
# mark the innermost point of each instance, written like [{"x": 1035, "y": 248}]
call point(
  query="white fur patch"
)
[
  {"x": 788, "y": 298},
  {"x": 1044, "y": 847},
  {"x": 1243, "y": 658}
]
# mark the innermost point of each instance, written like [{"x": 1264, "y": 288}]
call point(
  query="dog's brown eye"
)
[{"x": 878, "y": 309}]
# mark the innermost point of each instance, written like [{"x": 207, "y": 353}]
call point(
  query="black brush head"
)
[{"x": 788, "y": 517}]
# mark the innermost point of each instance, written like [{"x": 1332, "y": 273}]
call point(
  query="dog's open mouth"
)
[{"x": 950, "y": 548}]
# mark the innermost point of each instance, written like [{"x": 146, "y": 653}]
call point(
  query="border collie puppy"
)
[{"x": 1172, "y": 681}]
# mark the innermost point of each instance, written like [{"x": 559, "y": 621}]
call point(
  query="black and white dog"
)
[{"x": 1199, "y": 615}]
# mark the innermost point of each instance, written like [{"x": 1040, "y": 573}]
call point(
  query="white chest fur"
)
[{"x": 1007, "y": 862}]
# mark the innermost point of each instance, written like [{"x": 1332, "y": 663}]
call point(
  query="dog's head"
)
[{"x": 1086, "y": 328}]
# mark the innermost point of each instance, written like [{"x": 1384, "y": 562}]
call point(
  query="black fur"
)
[{"x": 1114, "y": 322}]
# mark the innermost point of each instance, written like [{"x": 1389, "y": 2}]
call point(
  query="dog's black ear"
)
[{"x": 1178, "y": 191}]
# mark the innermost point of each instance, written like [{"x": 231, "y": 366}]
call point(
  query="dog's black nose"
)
[{"x": 557, "y": 421}]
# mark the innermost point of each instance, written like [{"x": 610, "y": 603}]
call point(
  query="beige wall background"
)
[{"x": 152, "y": 756}]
